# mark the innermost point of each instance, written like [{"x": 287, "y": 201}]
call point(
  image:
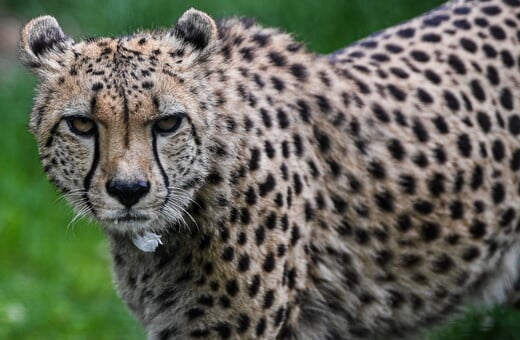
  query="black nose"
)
[{"x": 128, "y": 193}]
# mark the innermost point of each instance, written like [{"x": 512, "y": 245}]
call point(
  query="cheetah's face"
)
[{"x": 123, "y": 124}]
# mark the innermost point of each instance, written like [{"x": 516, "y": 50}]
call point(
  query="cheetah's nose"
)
[{"x": 128, "y": 193}]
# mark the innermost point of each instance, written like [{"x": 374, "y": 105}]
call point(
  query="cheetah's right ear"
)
[
  {"x": 42, "y": 45},
  {"x": 196, "y": 28}
]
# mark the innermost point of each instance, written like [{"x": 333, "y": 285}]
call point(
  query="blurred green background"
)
[{"x": 55, "y": 280}]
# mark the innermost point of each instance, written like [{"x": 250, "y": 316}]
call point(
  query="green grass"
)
[{"x": 55, "y": 281}]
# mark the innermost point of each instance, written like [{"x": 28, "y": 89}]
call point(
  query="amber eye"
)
[
  {"x": 168, "y": 124},
  {"x": 81, "y": 126}
]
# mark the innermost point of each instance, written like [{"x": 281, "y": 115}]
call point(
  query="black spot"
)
[
  {"x": 407, "y": 182},
  {"x": 396, "y": 149},
  {"x": 323, "y": 139},
  {"x": 468, "y": 45},
  {"x": 440, "y": 154},
  {"x": 396, "y": 92},
  {"x": 399, "y": 72},
  {"x": 481, "y": 22},
  {"x": 261, "y": 39},
  {"x": 457, "y": 64},
  {"x": 260, "y": 327},
  {"x": 497, "y": 32},
  {"x": 254, "y": 161},
  {"x": 250, "y": 196},
  {"x": 442, "y": 264},
  {"x": 223, "y": 329},
  {"x": 206, "y": 300},
  {"x": 498, "y": 150},
  {"x": 298, "y": 185},
  {"x": 470, "y": 254},
  {"x": 436, "y": 184},
  {"x": 268, "y": 299},
  {"x": 489, "y": 51},
  {"x": 283, "y": 120},
  {"x": 304, "y": 111},
  {"x": 456, "y": 210},
  {"x": 277, "y": 59},
  {"x": 232, "y": 287},
  {"x": 441, "y": 124},
  {"x": 477, "y": 229},
  {"x": 267, "y": 186},
  {"x": 432, "y": 76},
  {"x": 512, "y": 3},
  {"x": 515, "y": 160},
  {"x": 459, "y": 181},
  {"x": 423, "y": 207},
  {"x": 506, "y": 99},
  {"x": 385, "y": 201},
  {"x": 485, "y": 122},
  {"x": 245, "y": 218},
  {"x": 269, "y": 150},
  {"x": 199, "y": 333},
  {"x": 298, "y": 144},
  {"x": 404, "y": 222},
  {"x": 451, "y": 100},
  {"x": 431, "y": 37},
  {"x": 435, "y": 20},
  {"x": 421, "y": 160},
  {"x": 424, "y": 96},
  {"x": 243, "y": 323},
  {"x": 224, "y": 301},
  {"x": 462, "y": 24},
  {"x": 477, "y": 177},
  {"x": 420, "y": 56},
  {"x": 507, "y": 217},
  {"x": 507, "y": 58},
  {"x": 491, "y": 10},
  {"x": 464, "y": 145},
  {"x": 228, "y": 254},
  {"x": 377, "y": 170},
  {"x": 406, "y": 33},
  {"x": 97, "y": 86},
  {"x": 339, "y": 204},
  {"x": 420, "y": 131},
  {"x": 323, "y": 103},
  {"x": 254, "y": 286},
  {"x": 299, "y": 71},
  {"x": 380, "y": 113},
  {"x": 146, "y": 85},
  {"x": 393, "y": 48},
  {"x": 430, "y": 231},
  {"x": 498, "y": 193},
  {"x": 266, "y": 118},
  {"x": 278, "y": 83},
  {"x": 477, "y": 90},
  {"x": 295, "y": 234},
  {"x": 194, "y": 313}
]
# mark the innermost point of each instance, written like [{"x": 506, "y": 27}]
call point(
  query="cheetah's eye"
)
[
  {"x": 168, "y": 124},
  {"x": 81, "y": 126}
]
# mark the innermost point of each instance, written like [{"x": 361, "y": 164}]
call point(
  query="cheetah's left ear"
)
[
  {"x": 196, "y": 28},
  {"x": 42, "y": 44}
]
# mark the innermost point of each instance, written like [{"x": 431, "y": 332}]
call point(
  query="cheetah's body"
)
[{"x": 364, "y": 194}]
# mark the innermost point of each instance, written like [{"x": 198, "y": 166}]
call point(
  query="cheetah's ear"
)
[
  {"x": 196, "y": 28},
  {"x": 42, "y": 44}
]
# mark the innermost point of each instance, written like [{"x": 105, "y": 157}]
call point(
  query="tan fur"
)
[{"x": 366, "y": 194}]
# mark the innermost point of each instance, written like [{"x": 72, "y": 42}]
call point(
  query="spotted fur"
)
[{"x": 365, "y": 194}]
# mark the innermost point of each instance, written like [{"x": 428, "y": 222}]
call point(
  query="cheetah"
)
[{"x": 250, "y": 188}]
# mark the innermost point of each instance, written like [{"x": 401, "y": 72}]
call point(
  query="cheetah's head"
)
[{"x": 124, "y": 124}]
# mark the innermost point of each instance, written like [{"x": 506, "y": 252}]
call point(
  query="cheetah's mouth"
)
[{"x": 127, "y": 218}]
